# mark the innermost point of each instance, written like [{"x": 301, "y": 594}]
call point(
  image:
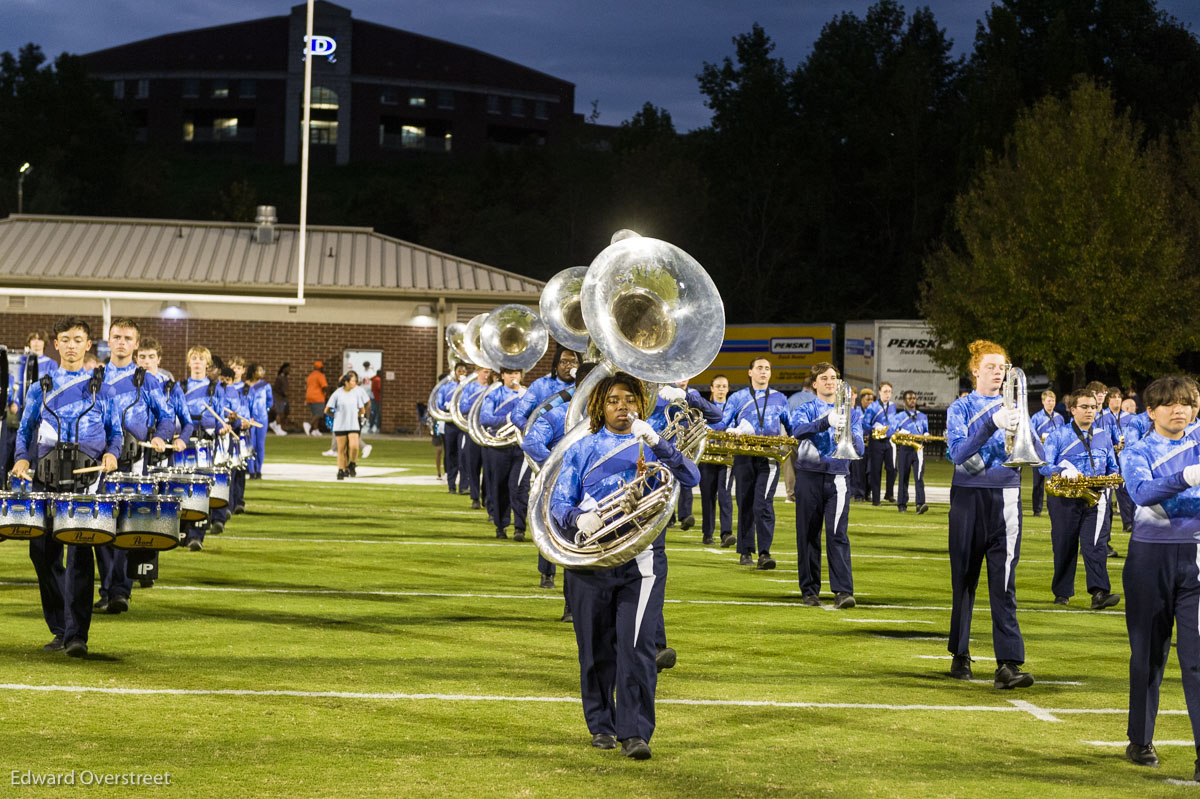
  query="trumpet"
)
[
  {"x": 1085, "y": 487},
  {"x": 878, "y": 433},
  {"x": 843, "y": 403},
  {"x": 1018, "y": 444},
  {"x": 915, "y": 440},
  {"x": 724, "y": 444}
]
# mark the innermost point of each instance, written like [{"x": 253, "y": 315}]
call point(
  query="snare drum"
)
[
  {"x": 198, "y": 455},
  {"x": 19, "y": 485},
  {"x": 125, "y": 483},
  {"x": 85, "y": 519},
  {"x": 23, "y": 515},
  {"x": 190, "y": 488},
  {"x": 148, "y": 522},
  {"x": 218, "y": 496}
]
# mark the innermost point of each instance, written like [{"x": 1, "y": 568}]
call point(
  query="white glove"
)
[
  {"x": 1068, "y": 470},
  {"x": 1192, "y": 474},
  {"x": 745, "y": 427},
  {"x": 645, "y": 432},
  {"x": 1005, "y": 419},
  {"x": 836, "y": 419},
  {"x": 464, "y": 378},
  {"x": 588, "y": 523},
  {"x": 574, "y": 371},
  {"x": 669, "y": 393}
]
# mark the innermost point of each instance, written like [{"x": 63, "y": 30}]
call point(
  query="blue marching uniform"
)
[
  {"x": 470, "y": 459},
  {"x": 756, "y": 477},
  {"x": 76, "y": 412},
  {"x": 715, "y": 494},
  {"x": 201, "y": 398},
  {"x": 985, "y": 524},
  {"x": 504, "y": 467},
  {"x": 1161, "y": 577},
  {"x": 451, "y": 438},
  {"x": 910, "y": 458},
  {"x": 1042, "y": 424},
  {"x": 262, "y": 400},
  {"x": 880, "y": 452},
  {"x": 615, "y": 610},
  {"x": 1120, "y": 427},
  {"x": 237, "y": 397},
  {"x": 659, "y": 421},
  {"x": 1075, "y": 525},
  {"x": 538, "y": 392},
  {"x": 822, "y": 497},
  {"x": 547, "y": 431}
]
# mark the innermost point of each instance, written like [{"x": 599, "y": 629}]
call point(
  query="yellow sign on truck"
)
[{"x": 791, "y": 349}]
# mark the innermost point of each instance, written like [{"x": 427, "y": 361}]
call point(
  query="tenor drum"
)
[
  {"x": 125, "y": 483},
  {"x": 148, "y": 522},
  {"x": 218, "y": 496},
  {"x": 198, "y": 455},
  {"x": 85, "y": 519},
  {"x": 190, "y": 488},
  {"x": 23, "y": 516}
]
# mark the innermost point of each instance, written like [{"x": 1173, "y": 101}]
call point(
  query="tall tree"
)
[{"x": 1066, "y": 249}]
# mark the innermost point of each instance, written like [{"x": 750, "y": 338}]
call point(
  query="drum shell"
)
[
  {"x": 85, "y": 519},
  {"x": 148, "y": 522},
  {"x": 126, "y": 483},
  {"x": 218, "y": 495},
  {"x": 198, "y": 455},
  {"x": 192, "y": 490},
  {"x": 23, "y": 516}
]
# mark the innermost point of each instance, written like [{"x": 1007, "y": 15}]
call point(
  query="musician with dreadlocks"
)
[{"x": 615, "y": 609}]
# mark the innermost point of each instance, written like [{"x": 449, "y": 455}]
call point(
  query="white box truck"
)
[{"x": 898, "y": 351}]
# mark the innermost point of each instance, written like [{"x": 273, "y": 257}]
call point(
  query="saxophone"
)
[{"x": 1085, "y": 487}]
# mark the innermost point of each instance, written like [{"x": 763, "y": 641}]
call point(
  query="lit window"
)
[
  {"x": 412, "y": 136},
  {"x": 220, "y": 89},
  {"x": 541, "y": 109},
  {"x": 323, "y": 99},
  {"x": 493, "y": 102},
  {"x": 447, "y": 138},
  {"x": 323, "y": 131},
  {"x": 416, "y": 98},
  {"x": 189, "y": 131},
  {"x": 389, "y": 96},
  {"x": 143, "y": 88},
  {"x": 248, "y": 89},
  {"x": 118, "y": 90},
  {"x": 191, "y": 87},
  {"x": 518, "y": 107},
  {"x": 445, "y": 99},
  {"x": 225, "y": 128}
]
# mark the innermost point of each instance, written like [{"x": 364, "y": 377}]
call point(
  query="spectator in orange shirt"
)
[{"x": 314, "y": 396}]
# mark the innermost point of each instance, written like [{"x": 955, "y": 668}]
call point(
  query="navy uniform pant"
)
[
  {"x": 503, "y": 467},
  {"x": 616, "y": 616},
  {"x": 47, "y": 557},
  {"x": 756, "y": 480},
  {"x": 237, "y": 489},
  {"x": 985, "y": 524},
  {"x": 1126, "y": 506},
  {"x": 66, "y": 591},
  {"x": 469, "y": 461},
  {"x": 714, "y": 496},
  {"x": 1162, "y": 587},
  {"x": 910, "y": 459},
  {"x": 684, "y": 507},
  {"x": 881, "y": 454},
  {"x": 113, "y": 564},
  {"x": 452, "y": 437},
  {"x": 1075, "y": 526},
  {"x": 858, "y": 479},
  {"x": 1039, "y": 491},
  {"x": 823, "y": 500}
]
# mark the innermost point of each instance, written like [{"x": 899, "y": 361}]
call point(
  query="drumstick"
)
[
  {"x": 87, "y": 469},
  {"x": 250, "y": 422}
]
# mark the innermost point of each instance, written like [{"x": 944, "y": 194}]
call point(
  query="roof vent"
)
[{"x": 265, "y": 218}]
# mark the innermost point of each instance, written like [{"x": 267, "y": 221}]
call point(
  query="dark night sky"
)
[{"x": 620, "y": 52}]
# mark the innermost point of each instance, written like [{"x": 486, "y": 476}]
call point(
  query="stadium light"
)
[{"x": 25, "y": 169}]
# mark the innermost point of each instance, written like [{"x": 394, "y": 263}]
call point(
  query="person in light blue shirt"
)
[
  {"x": 1043, "y": 423},
  {"x": 504, "y": 467},
  {"x": 880, "y": 452},
  {"x": 452, "y": 437},
  {"x": 715, "y": 497},
  {"x": 547, "y": 390},
  {"x": 1162, "y": 568},
  {"x": 907, "y": 419},
  {"x": 470, "y": 459}
]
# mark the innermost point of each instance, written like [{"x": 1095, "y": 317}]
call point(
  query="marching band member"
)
[
  {"x": 470, "y": 458},
  {"x": 985, "y": 518},
  {"x": 143, "y": 413},
  {"x": 1115, "y": 419},
  {"x": 452, "y": 436},
  {"x": 715, "y": 478},
  {"x": 1043, "y": 423},
  {"x": 756, "y": 410},
  {"x": 504, "y": 467},
  {"x": 550, "y": 387},
  {"x": 206, "y": 405},
  {"x": 823, "y": 491},
  {"x": 1162, "y": 567},
  {"x": 612, "y": 607},
  {"x": 880, "y": 452},
  {"x": 34, "y": 363},
  {"x": 1072, "y": 451},
  {"x": 909, "y": 420},
  {"x": 238, "y": 411},
  {"x": 858, "y": 468},
  {"x": 660, "y": 419},
  {"x": 262, "y": 400},
  {"x": 69, "y": 421}
]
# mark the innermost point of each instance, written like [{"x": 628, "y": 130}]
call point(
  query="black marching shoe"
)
[
  {"x": 76, "y": 648},
  {"x": 500, "y": 533},
  {"x": 118, "y": 604},
  {"x": 960, "y": 667},
  {"x": 746, "y": 559},
  {"x": 55, "y": 645},
  {"x": 475, "y": 504},
  {"x": 519, "y": 535},
  {"x": 547, "y": 582},
  {"x": 811, "y": 600},
  {"x": 194, "y": 545},
  {"x": 687, "y": 522},
  {"x": 844, "y": 601},
  {"x": 603, "y": 740},
  {"x": 922, "y": 509},
  {"x": 635, "y": 748},
  {"x": 101, "y": 605},
  {"x": 1062, "y": 600},
  {"x": 707, "y": 540},
  {"x": 1112, "y": 553},
  {"x": 1196, "y": 773},
  {"x": 216, "y": 528},
  {"x": 765, "y": 562},
  {"x": 463, "y": 491},
  {"x": 145, "y": 582},
  {"x": 341, "y": 474},
  {"x": 728, "y": 540},
  {"x": 567, "y": 617},
  {"x": 1103, "y": 599},
  {"x": 1142, "y": 755},
  {"x": 1009, "y": 675},
  {"x": 239, "y": 509},
  {"x": 665, "y": 658}
]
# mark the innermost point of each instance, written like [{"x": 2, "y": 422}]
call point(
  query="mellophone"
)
[{"x": 131, "y": 511}]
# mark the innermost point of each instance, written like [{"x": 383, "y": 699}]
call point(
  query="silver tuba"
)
[
  {"x": 654, "y": 312},
  {"x": 843, "y": 403},
  {"x": 1019, "y": 443},
  {"x": 512, "y": 337},
  {"x": 454, "y": 337},
  {"x": 470, "y": 348}
]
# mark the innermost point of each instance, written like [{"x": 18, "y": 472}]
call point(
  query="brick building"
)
[
  {"x": 363, "y": 291},
  {"x": 378, "y": 92}
]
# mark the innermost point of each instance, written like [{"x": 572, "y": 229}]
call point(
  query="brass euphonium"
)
[
  {"x": 1018, "y": 444},
  {"x": 454, "y": 337},
  {"x": 512, "y": 337},
  {"x": 843, "y": 403},
  {"x": 652, "y": 311}
]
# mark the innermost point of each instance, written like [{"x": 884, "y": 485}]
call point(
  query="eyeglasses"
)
[{"x": 1087, "y": 407}]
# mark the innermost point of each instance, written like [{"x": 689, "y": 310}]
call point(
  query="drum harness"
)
[{"x": 56, "y": 469}]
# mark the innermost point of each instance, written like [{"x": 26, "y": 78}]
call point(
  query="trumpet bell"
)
[
  {"x": 513, "y": 337},
  {"x": 561, "y": 308},
  {"x": 653, "y": 310}
]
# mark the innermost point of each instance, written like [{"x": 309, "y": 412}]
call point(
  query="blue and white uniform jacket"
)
[
  {"x": 177, "y": 403},
  {"x": 470, "y": 394},
  {"x": 262, "y": 400},
  {"x": 1043, "y": 424},
  {"x": 810, "y": 426},
  {"x": 746, "y": 404},
  {"x": 538, "y": 392},
  {"x": 141, "y": 415},
  {"x": 46, "y": 365},
  {"x": 976, "y": 446},
  {"x": 497, "y": 406},
  {"x": 547, "y": 431},
  {"x": 914, "y": 422},
  {"x": 1065, "y": 446},
  {"x": 196, "y": 397},
  {"x": 99, "y": 426},
  {"x": 442, "y": 398},
  {"x": 1168, "y": 510},
  {"x": 879, "y": 417}
]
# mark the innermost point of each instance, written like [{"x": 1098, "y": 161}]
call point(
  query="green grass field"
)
[{"x": 344, "y": 640}]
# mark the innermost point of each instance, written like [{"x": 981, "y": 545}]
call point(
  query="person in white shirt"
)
[{"x": 347, "y": 408}]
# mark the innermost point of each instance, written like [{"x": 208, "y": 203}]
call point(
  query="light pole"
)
[{"x": 21, "y": 173}]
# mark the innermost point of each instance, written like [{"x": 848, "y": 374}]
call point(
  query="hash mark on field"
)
[
  {"x": 1126, "y": 743},
  {"x": 1033, "y": 710},
  {"x": 885, "y": 621},
  {"x": 1039, "y": 682},
  {"x": 950, "y": 657}
]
